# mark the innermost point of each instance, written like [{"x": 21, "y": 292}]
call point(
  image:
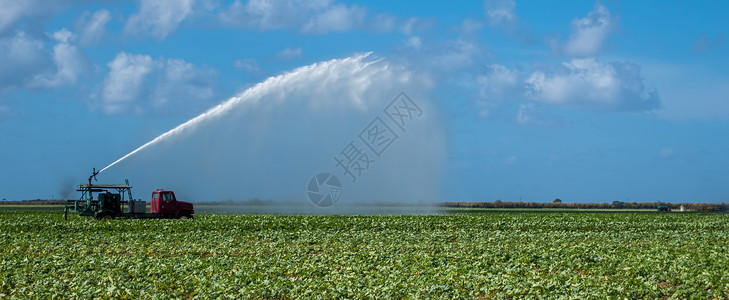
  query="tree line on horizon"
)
[{"x": 557, "y": 203}]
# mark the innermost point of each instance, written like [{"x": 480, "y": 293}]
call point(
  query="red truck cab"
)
[{"x": 166, "y": 205}]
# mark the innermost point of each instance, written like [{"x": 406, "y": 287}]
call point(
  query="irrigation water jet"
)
[
  {"x": 254, "y": 92},
  {"x": 268, "y": 141}
]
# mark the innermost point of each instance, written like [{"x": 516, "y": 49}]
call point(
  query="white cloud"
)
[
  {"x": 24, "y": 61},
  {"x": 29, "y": 15},
  {"x": 469, "y": 26},
  {"x": 524, "y": 116},
  {"x": 589, "y": 35},
  {"x": 590, "y": 84},
  {"x": 13, "y": 10},
  {"x": 21, "y": 58},
  {"x": 336, "y": 18},
  {"x": 247, "y": 64},
  {"x": 69, "y": 62},
  {"x": 289, "y": 53},
  {"x": 26, "y": 64},
  {"x": 383, "y": 23},
  {"x": 62, "y": 36},
  {"x": 126, "y": 82},
  {"x": 448, "y": 59},
  {"x": 501, "y": 15},
  {"x": 532, "y": 114},
  {"x": 409, "y": 25},
  {"x": 315, "y": 17},
  {"x": 158, "y": 18},
  {"x": 500, "y": 12},
  {"x": 184, "y": 86},
  {"x": 414, "y": 42},
  {"x": 499, "y": 83},
  {"x": 453, "y": 55},
  {"x": 137, "y": 83},
  {"x": 580, "y": 83},
  {"x": 93, "y": 27},
  {"x": 268, "y": 15}
]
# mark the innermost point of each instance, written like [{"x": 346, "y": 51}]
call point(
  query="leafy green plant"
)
[{"x": 498, "y": 254}]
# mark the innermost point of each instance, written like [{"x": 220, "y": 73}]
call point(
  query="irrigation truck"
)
[{"x": 109, "y": 201}]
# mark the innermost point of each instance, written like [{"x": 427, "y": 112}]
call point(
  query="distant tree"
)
[{"x": 557, "y": 200}]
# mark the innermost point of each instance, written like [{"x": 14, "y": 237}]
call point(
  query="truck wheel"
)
[
  {"x": 185, "y": 215},
  {"x": 105, "y": 216}
]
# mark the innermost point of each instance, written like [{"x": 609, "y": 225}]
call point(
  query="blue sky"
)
[{"x": 580, "y": 100}]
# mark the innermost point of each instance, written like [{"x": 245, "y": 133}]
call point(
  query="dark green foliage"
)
[{"x": 512, "y": 254}]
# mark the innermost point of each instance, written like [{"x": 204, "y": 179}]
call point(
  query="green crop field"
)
[{"x": 486, "y": 255}]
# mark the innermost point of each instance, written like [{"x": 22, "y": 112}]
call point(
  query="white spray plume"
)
[
  {"x": 269, "y": 140},
  {"x": 256, "y": 92}
]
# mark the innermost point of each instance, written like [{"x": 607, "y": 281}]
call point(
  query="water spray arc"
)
[{"x": 252, "y": 94}]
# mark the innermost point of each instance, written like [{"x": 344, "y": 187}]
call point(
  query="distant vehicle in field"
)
[
  {"x": 664, "y": 208},
  {"x": 111, "y": 202}
]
